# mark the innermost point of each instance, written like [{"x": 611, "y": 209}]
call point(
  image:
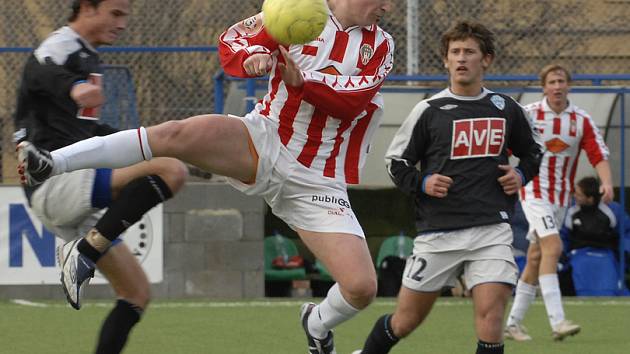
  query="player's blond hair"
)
[{"x": 551, "y": 68}]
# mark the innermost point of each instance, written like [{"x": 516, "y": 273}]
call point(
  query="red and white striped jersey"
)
[
  {"x": 564, "y": 136},
  {"x": 327, "y": 124}
]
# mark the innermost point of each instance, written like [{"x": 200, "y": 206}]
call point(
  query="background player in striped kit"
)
[
  {"x": 465, "y": 191},
  {"x": 566, "y": 130},
  {"x": 299, "y": 148}
]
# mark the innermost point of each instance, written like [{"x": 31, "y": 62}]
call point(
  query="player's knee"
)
[
  {"x": 169, "y": 135},
  {"x": 140, "y": 295},
  {"x": 173, "y": 172},
  {"x": 361, "y": 292}
]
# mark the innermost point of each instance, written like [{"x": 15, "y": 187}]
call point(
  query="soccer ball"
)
[{"x": 294, "y": 21}]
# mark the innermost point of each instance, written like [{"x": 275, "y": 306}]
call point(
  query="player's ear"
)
[{"x": 486, "y": 61}]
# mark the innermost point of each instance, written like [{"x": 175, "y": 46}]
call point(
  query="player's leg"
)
[
  {"x": 216, "y": 143},
  {"x": 130, "y": 283},
  {"x": 348, "y": 260},
  {"x": 551, "y": 249},
  {"x": 129, "y": 193},
  {"x": 411, "y": 310},
  {"x": 490, "y": 300},
  {"x": 524, "y": 295}
]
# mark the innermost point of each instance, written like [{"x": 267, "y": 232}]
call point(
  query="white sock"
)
[
  {"x": 525, "y": 295},
  {"x": 121, "y": 149},
  {"x": 550, "y": 289},
  {"x": 329, "y": 313}
]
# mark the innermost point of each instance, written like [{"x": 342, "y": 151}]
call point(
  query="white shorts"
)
[
  {"x": 544, "y": 218},
  {"x": 64, "y": 204},
  {"x": 482, "y": 253},
  {"x": 301, "y": 197}
]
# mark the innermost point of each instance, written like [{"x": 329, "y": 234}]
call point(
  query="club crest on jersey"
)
[
  {"x": 477, "y": 137},
  {"x": 498, "y": 101},
  {"x": 367, "y": 52}
]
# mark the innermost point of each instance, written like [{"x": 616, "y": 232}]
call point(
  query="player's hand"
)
[
  {"x": 606, "y": 191},
  {"x": 258, "y": 64},
  {"x": 87, "y": 95},
  {"x": 291, "y": 74},
  {"x": 511, "y": 181},
  {"x": 437, "y": 185}
]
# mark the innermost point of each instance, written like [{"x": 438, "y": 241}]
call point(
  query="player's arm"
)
[
  {"x": 51, "y": 78},
  {"x": 245, "y": 48},
  {"x": 344, "y": 96},
  {"x": 405, "y": 150},
  {"x": 597, "y": 152},
  {"x": 526, "y": 144}
]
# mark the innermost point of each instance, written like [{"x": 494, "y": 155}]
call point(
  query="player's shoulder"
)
[
  {"x": 58, "y": 46},
  {"x": 382, "y": 34},
  {"x": 534, "y": 106},
  {"x": 580, "y": 111}
]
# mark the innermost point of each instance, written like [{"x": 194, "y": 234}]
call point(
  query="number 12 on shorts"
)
[{"x": 415, "y": 266}]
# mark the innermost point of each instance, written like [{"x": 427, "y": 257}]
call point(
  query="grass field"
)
[{"x": 272, "y": 327}]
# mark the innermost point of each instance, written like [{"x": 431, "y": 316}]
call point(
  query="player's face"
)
[
  {"x": 465, "y": 62},
  {"x": 367, "y": 12},
  {"x": 556, "y": 88},
  {"x": 581, "y": 198},
  {"x": 108, "y": 20}
]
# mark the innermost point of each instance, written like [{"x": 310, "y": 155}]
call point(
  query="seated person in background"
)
[{"x": 591, "y": 222}]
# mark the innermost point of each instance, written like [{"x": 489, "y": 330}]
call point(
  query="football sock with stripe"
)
[
  {"x": 489, "y": 348},
  {"x": 117, "y": 326},
  {"x": 382, "y": 338},
  {"x": 121, "y": 149}
]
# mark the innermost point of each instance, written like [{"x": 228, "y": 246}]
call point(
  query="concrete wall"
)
[{"x": 213, "y": 248}]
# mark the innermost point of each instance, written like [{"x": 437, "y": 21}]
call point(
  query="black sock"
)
[
  {"x": 489, "y": 348},
  {"x": 135, "y": 199},
  {"x": 382, "y": 338},
  {"x": 117, "y": 326}
]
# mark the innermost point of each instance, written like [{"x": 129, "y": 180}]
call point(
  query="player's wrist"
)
[{"x": 423, "y": 184}]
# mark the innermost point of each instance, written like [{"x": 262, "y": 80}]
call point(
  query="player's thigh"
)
[
  {"x": 412, "y": 308},
  {"x": 491, "y": 298},
  {"x": 543, "y": 217},
  {"x": 347, "y": 258},
  {"x": 125, "y": 274},
  {"x": 216, "y": 143}
]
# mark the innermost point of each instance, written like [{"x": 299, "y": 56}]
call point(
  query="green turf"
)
[{"x": 191, "y": 327}]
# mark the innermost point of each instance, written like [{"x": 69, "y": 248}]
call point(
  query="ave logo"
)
[{"x": 477, "y": 137}]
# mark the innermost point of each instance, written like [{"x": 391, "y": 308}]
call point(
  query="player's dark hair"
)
[
  {"x": 590, "y": 187},
  {"x": 551, "y": 68},
  {"x": 465, "y": 29},
  {"x": 76, "y": 7}
]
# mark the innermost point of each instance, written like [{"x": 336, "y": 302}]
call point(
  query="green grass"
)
[{"x": 191, "y": 327}]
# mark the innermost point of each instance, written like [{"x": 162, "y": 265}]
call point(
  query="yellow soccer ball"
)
[{"x": 294, "y": 21}]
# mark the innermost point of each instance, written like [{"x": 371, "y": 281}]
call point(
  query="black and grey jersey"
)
[
  {"x": 464, "y": 138},
  {"x": 46, "y": 115}
]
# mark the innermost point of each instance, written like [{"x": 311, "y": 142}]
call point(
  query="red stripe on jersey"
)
[
  {"x": 573, "y": 169},
  {"x": 522, "y": 193},
  {"x": 540, "y": 115},
  {"x": 557, "y": 124},
  {"x": 339, "y": 47},
  {"x": 275, "y": 83},
  {"x": 536, "y": 186},
  {"x": 309, "y": 50},
  {"x": 551, "y": 171},
  {"x": 563, "y": 191},
  {"x": 351, "y": 164},
  {"x": 331, "y": 162},
  {"x": 366, "y": 50},
  {"x": 314, "y": 139},
  {"x": 573, "y": 126},
  {"x": 377, "y": 59},
  {"x": 589, "y": 143},
  {"x": 288, "y": 113}
]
